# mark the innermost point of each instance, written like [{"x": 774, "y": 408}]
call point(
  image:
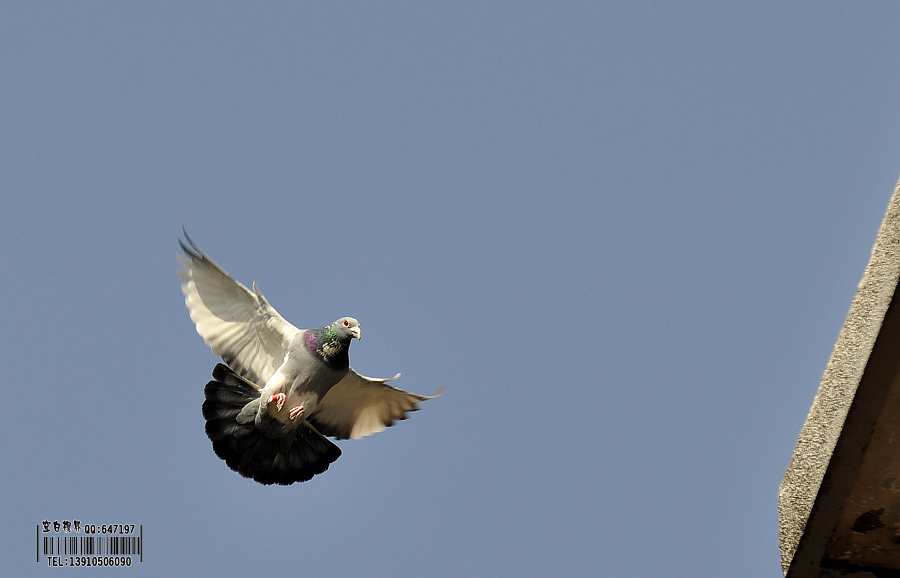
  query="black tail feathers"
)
[{"x": 298, "y": 456}]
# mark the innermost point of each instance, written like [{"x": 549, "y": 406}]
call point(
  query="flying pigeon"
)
[{"x": 281, "y": 389}]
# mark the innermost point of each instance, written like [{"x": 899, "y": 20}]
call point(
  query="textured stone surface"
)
[{"x": 831, "y": 450}]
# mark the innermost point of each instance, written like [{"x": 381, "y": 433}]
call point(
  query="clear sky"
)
[{"x": 624, "y": 236}]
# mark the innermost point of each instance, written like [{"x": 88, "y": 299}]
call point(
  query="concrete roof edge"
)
[{"x": 815, "y": 446}]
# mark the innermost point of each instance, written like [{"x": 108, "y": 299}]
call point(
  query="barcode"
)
[
  {"x": 82, "y": 544},
  {"x": 93, "y": 545}
]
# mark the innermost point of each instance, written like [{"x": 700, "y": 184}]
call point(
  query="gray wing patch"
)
[{"x": 358, "y": 406}]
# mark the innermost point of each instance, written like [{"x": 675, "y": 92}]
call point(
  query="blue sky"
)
[{"x": 623, "y": 236}]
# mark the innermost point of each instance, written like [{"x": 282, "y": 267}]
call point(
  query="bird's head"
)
[
  {"x": 332, "y": 342},
  {"x": 346, "y": 328}
]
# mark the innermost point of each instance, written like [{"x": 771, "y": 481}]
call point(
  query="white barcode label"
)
[{"x": 74, "y": 544}]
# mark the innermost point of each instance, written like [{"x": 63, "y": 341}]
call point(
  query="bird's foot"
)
[
  {"x": 296, "y": 412},
  {"x": 278, "y": 399}
]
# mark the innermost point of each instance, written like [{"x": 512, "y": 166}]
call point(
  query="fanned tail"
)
[{"x": 298, "y": 456}]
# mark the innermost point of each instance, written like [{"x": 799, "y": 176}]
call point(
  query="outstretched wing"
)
[
  {"x": 238, "y": 324},
  {"x": 358, "y": 406}
]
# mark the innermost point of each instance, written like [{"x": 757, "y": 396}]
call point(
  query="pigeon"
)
[{"x": 281, "y": 389}]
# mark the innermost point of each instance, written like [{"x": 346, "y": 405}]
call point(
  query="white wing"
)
[
  {"x": 359, "y": 406},
  {"x": 237, "y": 324}
]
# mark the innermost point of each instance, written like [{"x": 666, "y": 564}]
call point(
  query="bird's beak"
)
[{"x": 355, "y": 332}]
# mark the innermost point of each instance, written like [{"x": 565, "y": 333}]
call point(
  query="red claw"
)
[{"x": 279, "y": 399}]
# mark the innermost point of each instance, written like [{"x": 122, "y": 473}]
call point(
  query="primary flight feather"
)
[{"x": 281, "y": 389}]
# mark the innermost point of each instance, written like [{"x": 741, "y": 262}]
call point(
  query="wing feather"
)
[
  {"x": 238, "y": 324},
  {"x": 358, "y": 406}
]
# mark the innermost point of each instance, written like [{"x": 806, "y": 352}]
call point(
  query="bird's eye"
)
[{"x": 346, "y": 323}]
